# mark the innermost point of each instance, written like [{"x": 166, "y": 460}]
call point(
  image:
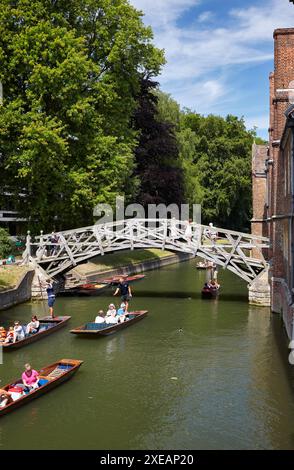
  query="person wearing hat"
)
[
  {"x": 100, "y": 317},
  {"x": 121, "y": 313},
  {"x": 18, "y": 332},
  {"x": 111, "y": 314}
]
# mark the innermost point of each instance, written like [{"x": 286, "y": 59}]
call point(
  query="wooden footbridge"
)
[{"x": 241, "y": 253}]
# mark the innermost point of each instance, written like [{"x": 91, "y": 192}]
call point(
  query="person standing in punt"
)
[
  {"x": 125, "y": 292},
  {"x": 51, "y": 296}
]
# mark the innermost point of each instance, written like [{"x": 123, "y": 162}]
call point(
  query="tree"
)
[
  {"x": 71, "y": 72},
  {"x": 158, "y": 165},
  {"x": 215, "y": 157},
  {"x": 222, "y": 161}
]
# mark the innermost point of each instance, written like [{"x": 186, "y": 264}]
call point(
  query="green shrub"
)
[{"x": 5, "y": 243}]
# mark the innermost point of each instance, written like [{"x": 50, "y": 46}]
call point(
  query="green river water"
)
[{"x": 194, "y": 374}]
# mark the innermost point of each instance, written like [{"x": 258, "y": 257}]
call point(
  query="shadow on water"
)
[
  {"x": 282, "y": 342},
  {"x": 226, "y": 297}
]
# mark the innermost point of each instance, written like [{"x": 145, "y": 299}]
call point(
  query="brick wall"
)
[
  {"x": 259, "y": 191},
  {"x": 280, "y": 200}
]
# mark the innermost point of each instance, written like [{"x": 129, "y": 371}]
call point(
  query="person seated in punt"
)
[
  {"x": 100, "y": 317},
  {"x": 121, "y": 313},
  {"x": 30, "y": 378},
  {"x": 5, "y": 398},
  {"x": 10, "y": 335},
  {"x": 33, "y": 326},
  {"x": 18, "y": 332},
  {"x": 3, "y": 334},
  {"x": 111, "y": 314},
  {"x": 214, "y": 285}
]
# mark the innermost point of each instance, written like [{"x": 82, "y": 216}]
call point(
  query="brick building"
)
[{"x": 276, "y": 195}]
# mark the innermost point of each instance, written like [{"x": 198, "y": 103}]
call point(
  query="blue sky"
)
[{"x": 219, "y": 53}]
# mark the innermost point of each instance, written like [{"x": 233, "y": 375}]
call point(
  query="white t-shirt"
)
[
  {"x": 111, "y": 319},
  {"x": 19, "y": 332},
  {"x": 111, "y": 313},
  {"x": 99, "y": 319}
]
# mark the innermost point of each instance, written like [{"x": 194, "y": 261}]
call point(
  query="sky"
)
[{"x": 219, "y": 53}]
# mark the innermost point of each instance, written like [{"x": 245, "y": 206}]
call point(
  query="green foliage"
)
[
  {"x": 215, "y": 155},
  {"x": 5, "y": 243},
  {"x": 158, "y": 163},
  {"x": 71, "y": 71}
]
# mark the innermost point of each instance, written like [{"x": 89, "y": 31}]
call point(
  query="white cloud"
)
[
  {"x": 160, "y": 13},
  {"x": 205, "y": 16},
  {"x": 201, "y": 58},
  {"x": 260, "y": 122}
]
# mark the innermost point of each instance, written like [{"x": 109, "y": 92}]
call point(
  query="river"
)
[{"x": 194, "y": 374}]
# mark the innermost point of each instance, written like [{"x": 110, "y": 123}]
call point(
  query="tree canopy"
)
[{"x": 71, "y": 71}]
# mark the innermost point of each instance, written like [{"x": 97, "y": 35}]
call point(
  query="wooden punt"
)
[
  {"x": 207, "y": 293},
  {"x": 85, "y": 290},
  {"x": 55, "y": 374},
  {"x": 48, "y": 326},
  {"x": 114, "y": 281},
  {"x": 103, "y": 329}
]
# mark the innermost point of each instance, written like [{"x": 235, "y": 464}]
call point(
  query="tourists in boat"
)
[
  {"x": 18, "y": 332},
  {"x": 214, "y": 285},
  {"x": 125, "y": 291},
  {"x": 33, "y": 326},
  {"x": 10, "y": 335},
  {"x": 5, "y": 398},
  {"x": 100, "y": 317},
  {"x": 30, "y": 378},
  {"x": 3, "y": 334},
  {"x": 111, "y": 314},
  {"x": 121, "y": 313}
]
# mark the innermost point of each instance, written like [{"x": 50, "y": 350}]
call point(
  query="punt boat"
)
[
  {"x": 208, "y": 293},
  {"x": 50, "y": 377},
  {"x": 95, "y": 330},
  {"x": 48, "y": 325},
  {"x": 114, "y": 280},
  {"x": 85, "y": 290}
]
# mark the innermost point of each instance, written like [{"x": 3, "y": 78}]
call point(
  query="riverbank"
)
[
  {"x": 133, "y": 262},
  {"x": 15, "y": 285},
  {"x": 10, "y": 275}
]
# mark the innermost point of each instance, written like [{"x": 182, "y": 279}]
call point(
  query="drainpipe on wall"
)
[{"x": 291, "y": 345}]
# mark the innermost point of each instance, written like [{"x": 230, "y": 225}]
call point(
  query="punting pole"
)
[{"x": 42, "y": 296}]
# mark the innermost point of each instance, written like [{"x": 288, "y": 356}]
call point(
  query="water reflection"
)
[{"x": 193, "y": 374}]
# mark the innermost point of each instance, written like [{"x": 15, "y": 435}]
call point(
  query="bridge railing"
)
[{"x": 227, "y": 248}]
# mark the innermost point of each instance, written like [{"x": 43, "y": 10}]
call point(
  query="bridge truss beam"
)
[{"x": 226, "y": 248}]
